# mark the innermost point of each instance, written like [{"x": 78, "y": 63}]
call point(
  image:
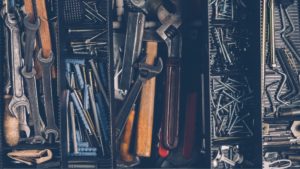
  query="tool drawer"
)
[
  {"x": 149, "y": 84},
  {"x": 280, "y": 65},
  {"x": 234, "y": 84},
  {"x": 76, "y": 36}
]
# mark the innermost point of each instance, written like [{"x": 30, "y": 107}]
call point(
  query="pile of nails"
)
[{"x": 230, "y": 117}]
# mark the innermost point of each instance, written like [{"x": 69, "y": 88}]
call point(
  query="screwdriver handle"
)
[
  {"x": 146, "y": 111},
  {"x": 172, "y": 103}
]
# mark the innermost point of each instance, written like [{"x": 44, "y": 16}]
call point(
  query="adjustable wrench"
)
[
  {"x": 168, "y": 32},
  {"x": 46, "y": 64},
  {"x": 29, "y": 73},
  {"x": 146, "y": 72},
  {"x": 19, "y": 99}
]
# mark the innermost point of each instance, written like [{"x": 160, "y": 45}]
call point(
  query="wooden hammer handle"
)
[
  {"x": 44, "y": 32},
  {"x": 146, "y": 111}
]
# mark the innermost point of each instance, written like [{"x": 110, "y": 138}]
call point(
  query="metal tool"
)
[
  {"x": 96, "y": 117},
  {"x": 169, "y": 33},
  {"x": 19, "y": 99},
  {"x": 73, "y": 127},
  {"x": 292, "y": 78},
  {"x": 221, "y": 158},
  {"x": 46, "y": 64},
  {"x": 98, "y": 81},
  {"x": 23, "y": 126},
  {"x": 145, "y": 72},
  {"x": 272, "y": 34},
  {"x": 132, "y": 49},
  {"x": 295, "y": 129},
  {"x": 29, "y": 73},
  {"x": 285, "y": 33}
]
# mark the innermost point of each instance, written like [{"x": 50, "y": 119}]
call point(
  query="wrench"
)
[
  {"x": 46, "y": 64},
  {"x": 19, "y": 99},
  {"x": 146, "y": 72},
  {"x": 168, "y": 31},
  {"x": 29, "y": 73},
  {"x": 23, "y": 126},
  {"x": 31, "y": 88}
]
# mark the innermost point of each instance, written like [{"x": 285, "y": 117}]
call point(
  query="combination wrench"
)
[
  {"x": 29, "y": 73},
  {"x": 19, "y": 99},
  {"x": 46, "y": 64}
]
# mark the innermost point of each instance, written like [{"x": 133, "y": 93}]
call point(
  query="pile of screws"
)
[
  {"x": 227, "y": 156},
  {"x": 90, "y": 46},
  {"x": 228, "y": 98}
]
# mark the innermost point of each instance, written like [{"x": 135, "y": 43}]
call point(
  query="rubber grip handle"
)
[
  {"x": 146, "y": 111},
  {"x": 170, "y": 124}
]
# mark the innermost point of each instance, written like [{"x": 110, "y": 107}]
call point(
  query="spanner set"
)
[{"x": 150, "y": 84}]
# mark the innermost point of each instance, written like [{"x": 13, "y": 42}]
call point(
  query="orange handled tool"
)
[
  {"x": 44, "y": 32},
  {"x": 125, "y": 154}
]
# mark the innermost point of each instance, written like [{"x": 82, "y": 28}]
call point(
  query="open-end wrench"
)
[
  {"x": 19, "y": 99},
  {"x": 46, "y": 64},
  {"x": 146, "y": 72},
  {"x": 23, "y": 126},
  {"x": 29, "y": 73}
]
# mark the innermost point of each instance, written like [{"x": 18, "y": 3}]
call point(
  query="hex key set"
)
[
  {"x": 149, "y": 84},
  {"x": 281, "y": 79}
]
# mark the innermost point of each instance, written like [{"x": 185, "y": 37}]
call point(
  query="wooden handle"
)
[
  {"x": 11, "y": 129},
  {"x": 44, "y": 32},
  {"x": 29, "y": 9},
  {"x": 125, "y": 154},
  {"x": 146, "y": 112}
]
